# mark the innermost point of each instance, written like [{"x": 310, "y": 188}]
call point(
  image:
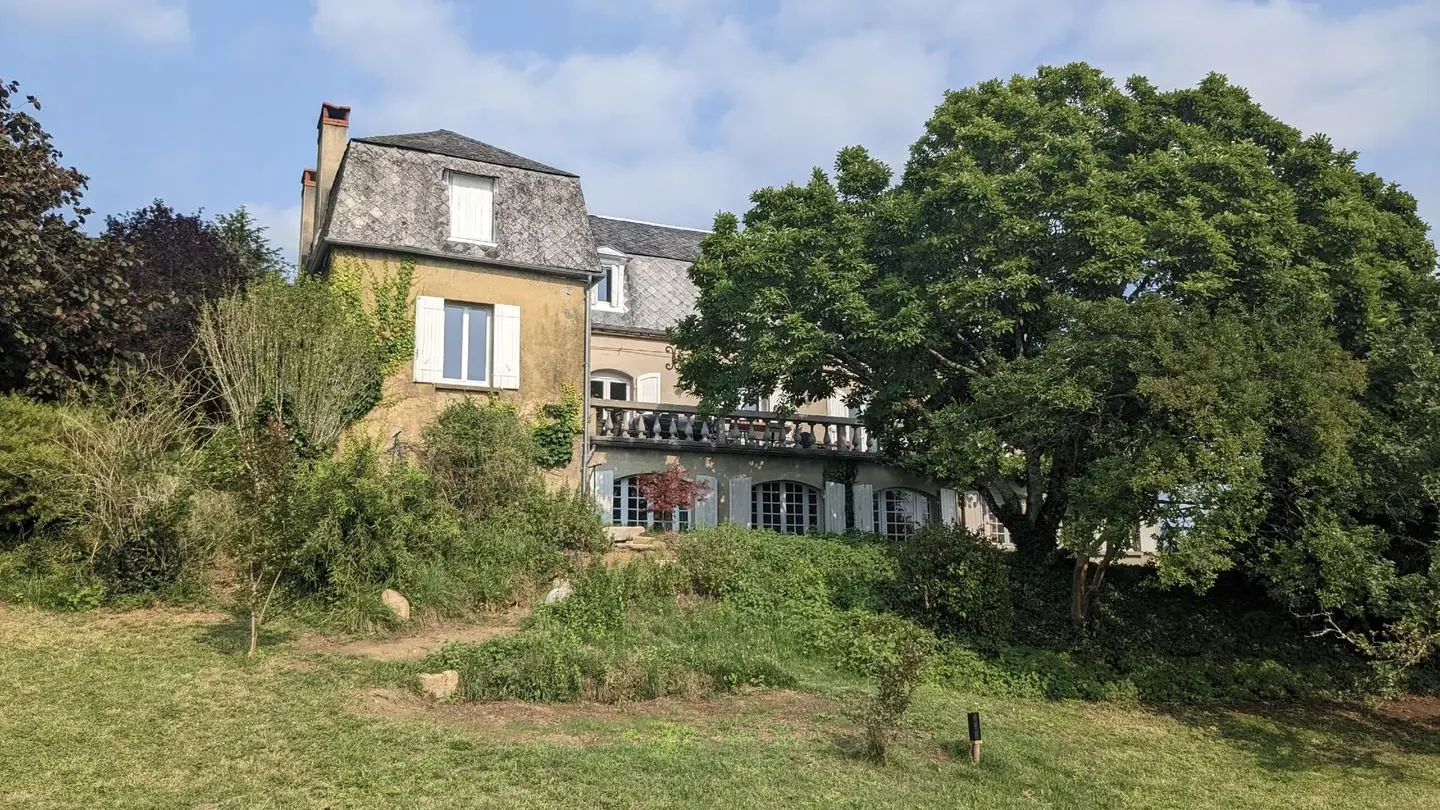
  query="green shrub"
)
[
  {"x": 482, "y": 456},
  {"x": 898, "y": 654},
  {"x": 29, "y": 444},
  {"x": 957, "y": 582}
]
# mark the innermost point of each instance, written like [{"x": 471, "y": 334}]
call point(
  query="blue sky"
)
[{"x": 668, "y": 109}]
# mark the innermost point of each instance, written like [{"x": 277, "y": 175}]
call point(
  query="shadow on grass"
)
[
  {"x": 1303, "y": 736},
  {"x": 232, "y": 636}
]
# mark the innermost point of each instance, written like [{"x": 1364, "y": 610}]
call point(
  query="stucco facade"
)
[{"x": 552, "y": 340}]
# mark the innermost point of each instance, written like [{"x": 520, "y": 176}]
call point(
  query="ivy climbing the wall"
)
[{"x": 557, "y": 428}]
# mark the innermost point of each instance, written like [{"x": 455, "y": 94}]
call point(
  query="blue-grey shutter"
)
[
  {"x": 834, "y": 507},
  {"x": 740, "y": 500},
  {"x": 864, "y": 495},
  {"x": 707, "y": 512},
  {"x": 602, "y": 486}
]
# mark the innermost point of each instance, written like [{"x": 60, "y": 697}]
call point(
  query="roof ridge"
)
[{"x": 652, "y": 224}]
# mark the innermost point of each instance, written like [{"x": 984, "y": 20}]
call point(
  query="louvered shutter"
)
[
  {"x": 647, "y": 388},
  {"x": 864, "y": 495},
  {"x": 707, "y": 512},
  {"x": 429, "y": 363},
  {"x": 740, "y": 501},
  {"x": 834, "y": 507},
  {"x": 507, "y": 346},
  {"x": 602, "y": 486},
  {"x": 472, "y": 204},
  {"x": 949, "y": 507}
]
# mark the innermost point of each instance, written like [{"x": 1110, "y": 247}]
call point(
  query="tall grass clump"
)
[{"x": 118, "y": 490}]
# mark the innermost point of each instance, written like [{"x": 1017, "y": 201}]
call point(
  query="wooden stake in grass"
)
[{"x": 975, "y": 737}]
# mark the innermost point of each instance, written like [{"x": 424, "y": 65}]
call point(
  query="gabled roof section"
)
[
  {"x": 647, "y": 239},
  {"x": 453, "y": 144}
]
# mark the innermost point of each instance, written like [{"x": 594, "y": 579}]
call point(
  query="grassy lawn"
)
[{"x": 156, "y": 710}]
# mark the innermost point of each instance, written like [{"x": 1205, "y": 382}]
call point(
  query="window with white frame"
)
[
  {"x": 610, "y": 385},
  {"x": 467, "y": 343},
  {"x": 900, "y": 513},
  {"x": 629, "y": 508},
  {"x": 788, "y": 507},
  {"x": 609, "y": 290},
  {"x": 991, "y": 526},
  {"x": 472, "y": 207}
]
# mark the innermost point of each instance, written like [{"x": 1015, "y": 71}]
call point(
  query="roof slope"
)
[
  {"x": 646, "y": 239},
  {"x": 445, "y": 142}
]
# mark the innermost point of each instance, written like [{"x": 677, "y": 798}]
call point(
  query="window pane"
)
[
  {"x": 454, "y": 324},
  {"x": 619, "y": 390},
  {"x": 479, "y": 354},
  {"x": 597, "y": 389},
  {"x": 602, "y": 287}
]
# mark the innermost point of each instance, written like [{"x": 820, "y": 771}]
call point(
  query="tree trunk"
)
[{"x": 1079, "y": 593}]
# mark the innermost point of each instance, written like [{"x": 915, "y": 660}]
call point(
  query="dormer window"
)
[
  {"x": 472, "y": 208},
  {"x": 608, "y": 294}
]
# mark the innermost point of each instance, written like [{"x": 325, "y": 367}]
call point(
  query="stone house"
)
[{"x": 521, "y": 293}]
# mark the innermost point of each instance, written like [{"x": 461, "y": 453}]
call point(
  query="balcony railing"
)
[{"x": 682, "y": 426}]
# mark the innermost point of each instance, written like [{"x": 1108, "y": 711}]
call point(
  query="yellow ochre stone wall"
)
[{"x": 552, "y": 341}]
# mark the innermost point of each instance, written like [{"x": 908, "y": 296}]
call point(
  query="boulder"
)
[
  {"x": 397, "y": 603},
  {"x": 562, "y": 590},
  {"x": 439, "y": 685},
  {"x": 620, "y": 534}
]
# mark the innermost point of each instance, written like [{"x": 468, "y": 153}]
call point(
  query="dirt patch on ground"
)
[
  {"x": 412, "y": 644},
  {"x": 1421, "y": 710},
  {"x": 764, "y": 714}
]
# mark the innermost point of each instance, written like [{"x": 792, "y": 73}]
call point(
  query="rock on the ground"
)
[
  {"x": 620, "y": 534},
  {"x": 397, "y": 603},
  {"x": 562, "y": 590},
  {"x": 439, "y": 685}
]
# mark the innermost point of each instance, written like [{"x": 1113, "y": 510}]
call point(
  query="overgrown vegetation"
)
[{"x": 751, "y": 608}]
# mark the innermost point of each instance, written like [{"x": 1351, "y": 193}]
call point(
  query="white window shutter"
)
[
  {"x": 602, "y": 486},
  {"x": 949, "y": 507},
  {"x": 864, "y": 495},
  {"x": 507, "y": 346},
  {"x": 429, "y": 364},
  {"x": 647, "y": 388},
  {"x": 740, "y": 501},
  {"x": 835, "y": 406},
  {"x": 834, "y": 507},
  {"x": 472, "y": 203},
  {"x": 706, "y": 511}
]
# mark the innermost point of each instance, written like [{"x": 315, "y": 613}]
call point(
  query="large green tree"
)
[
  {"x": 1103, "y": 307},
  {"x": 66, "y": 312}
]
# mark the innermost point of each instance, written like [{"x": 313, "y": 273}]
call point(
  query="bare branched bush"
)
[{"x": 298, "y": 349}]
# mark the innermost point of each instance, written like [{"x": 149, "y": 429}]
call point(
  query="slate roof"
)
[
  {"x": 646, "y": 239},
  {"x": 445, "y": 142},
  {"x": 658, "y": 291}
]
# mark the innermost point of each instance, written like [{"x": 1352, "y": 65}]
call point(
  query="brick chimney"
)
[
  {"x": 333, "y": 132},
  {"x": 307, "y": 214}
]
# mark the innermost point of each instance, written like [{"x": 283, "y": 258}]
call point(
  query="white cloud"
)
[
  {"x": 712, "y": 105},
  {"x": 156, "y": 22},
  {"x": 1367, "y": 80},
  {"x": 282, "y": 226}
]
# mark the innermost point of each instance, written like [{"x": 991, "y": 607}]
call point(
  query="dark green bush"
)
[
  {"x": 29, "y": 443},
  {"x": 957, "y": 582}
]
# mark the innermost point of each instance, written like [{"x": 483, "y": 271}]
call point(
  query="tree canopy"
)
[
  {"x": 66, "y": 313},
  {"x": 1105, "y": 306}
]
